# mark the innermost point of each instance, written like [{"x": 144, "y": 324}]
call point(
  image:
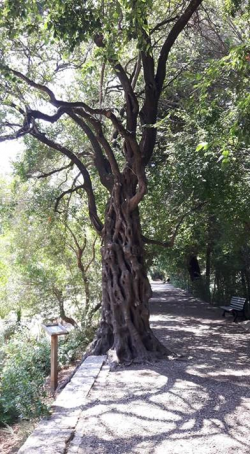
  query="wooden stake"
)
[
  {"x": 54, "y": 356},
  {"x": 54, "y": 330}
]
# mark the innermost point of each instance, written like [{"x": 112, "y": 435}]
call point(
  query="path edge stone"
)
[{"x": 52, "y": 435}]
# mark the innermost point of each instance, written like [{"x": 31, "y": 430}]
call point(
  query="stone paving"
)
[
  {"x": 197, "y": 404},
  {"x": 52, "y": 435}
]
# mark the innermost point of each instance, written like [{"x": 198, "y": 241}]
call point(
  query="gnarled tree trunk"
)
[{"x": 126, "y": 289}]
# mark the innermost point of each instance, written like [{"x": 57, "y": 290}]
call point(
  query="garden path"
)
[{"x": 199, "y": 403}]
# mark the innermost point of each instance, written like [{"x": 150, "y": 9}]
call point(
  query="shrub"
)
[
  {"x": 157, "y": 274},
  {"x": 71, "y": 347},
  {"x": 24, "y": 365}
]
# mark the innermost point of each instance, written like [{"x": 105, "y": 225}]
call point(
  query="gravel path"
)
[{"x": 200, "y": 404}]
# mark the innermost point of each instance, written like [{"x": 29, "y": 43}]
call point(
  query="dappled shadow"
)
[
  {"x": 200, "y": 403},
  {"x": 166, "y": 416},
  {"x": 218, "y": 346}
]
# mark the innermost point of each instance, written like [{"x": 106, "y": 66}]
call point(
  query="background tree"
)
[
  {"x": 132, "y": 44},
  {"x": 202, "y": 158},
  {"x": 50, "y": 262}
]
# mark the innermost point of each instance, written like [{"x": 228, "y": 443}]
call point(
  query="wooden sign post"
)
[{"x": 54, "y": 330}]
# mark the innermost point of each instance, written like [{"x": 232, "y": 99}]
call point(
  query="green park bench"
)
[{"x": 236, "y": 307}]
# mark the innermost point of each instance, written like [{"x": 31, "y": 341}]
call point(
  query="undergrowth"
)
[{"x": 24, "y": 366}]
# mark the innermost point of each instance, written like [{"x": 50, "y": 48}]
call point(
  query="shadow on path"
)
[{"x": 200, "y": 404}]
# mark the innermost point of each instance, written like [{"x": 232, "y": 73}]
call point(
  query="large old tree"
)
[{"x": 128, "y": 44}]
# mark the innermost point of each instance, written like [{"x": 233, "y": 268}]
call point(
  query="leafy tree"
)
[
  {"x": 49, "y": 261},
  {"x": 202, "y": 161},
  {"x": 131, "y": 57}
]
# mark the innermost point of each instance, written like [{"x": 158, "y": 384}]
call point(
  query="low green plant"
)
[
  {"x": 72, "y": 346},
  {"x": 25, "y": 362}
]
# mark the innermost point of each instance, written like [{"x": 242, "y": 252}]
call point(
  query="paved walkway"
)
[
  {"x": 52, "y": 435},
  {"x": 200, "y": 404}
]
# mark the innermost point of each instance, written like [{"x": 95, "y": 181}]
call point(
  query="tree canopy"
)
[{"x": 115, "y": 100}]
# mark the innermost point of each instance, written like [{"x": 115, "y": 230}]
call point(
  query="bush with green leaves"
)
[
  {"x": 25, "y": 362},
  {"x": 72, "y": 346}
]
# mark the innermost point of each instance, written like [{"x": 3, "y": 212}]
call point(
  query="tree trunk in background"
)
[
  {"x": 126, "y": 289},
  {"x": 194, "y": 268},
  {"x": 247, "y": 275},
  {"x": 208, "y": 273},
  {"x": 243, "y": 282},
  {"x": 59, "y": 295}
]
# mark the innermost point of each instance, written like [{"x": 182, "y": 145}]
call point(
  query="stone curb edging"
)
[{"x": 52, "y": 435}]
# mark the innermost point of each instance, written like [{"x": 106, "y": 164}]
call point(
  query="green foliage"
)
[
  {"x": 25, "y": 363},
  {"x": 200, "y": 169},
  {"x": 76, "y": 21},
  {"x": 71, "y": 347},
  {"x": 197, "y": 177},
  {"x": 233, "y": 6},
  {"x": 38, "y": 254}
]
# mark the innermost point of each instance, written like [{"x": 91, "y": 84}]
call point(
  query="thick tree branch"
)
[
  {"x": 154, "y": 83},
  {"x": 33, "y": 84},
  {"x": 68, "y": 107},
  {"x": 37, "y": 115},
  {"x": 103, "y": 141},
  {"x": 14, "y": 136},
  {"x": 22, "y": 131},
  {"x": 169, "y": 243},
  {"x": 132, "y": 106},
  {"x": 136, "y": 72},
  {"x": 169, "y": 42},
  {"x": 84, "y": 110},
  {"x": 90, "y": 114},
  {"x": 64, "y": 106},
  {"x": 101, "y": 162},
  {"x": 162, "y": 23},
  {"x": 155, "y": 242},
  {"x": 137, "y": 198},
  {"x": 96, "y": 222}
]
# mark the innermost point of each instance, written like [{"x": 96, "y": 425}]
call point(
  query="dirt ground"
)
[{"x": 199, "y": 404}]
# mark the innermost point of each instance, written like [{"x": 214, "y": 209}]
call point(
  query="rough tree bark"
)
[{"x": 126, "y": 289}]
